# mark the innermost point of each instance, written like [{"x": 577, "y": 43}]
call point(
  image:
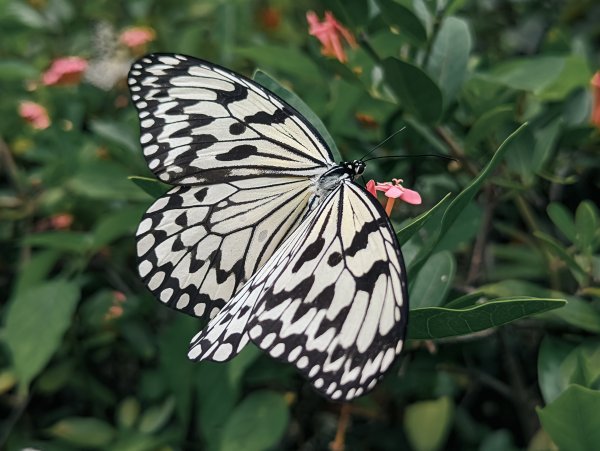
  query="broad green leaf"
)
[
  {"x": 545, "y": 143},
  {"x": 462, "y": 200},
  {"x": 64, "y": 240},
  {"x": 427, "y": 423},
  {"x": 520, "y": 159},
  {"x": 153, "y": 187},
  {"x": 117, "y": 132},
  {"x": 586, "y": 226},
  {"x": 83, "y": 432},
  {"x": 417, "y": 93},
  {"x": 36, "y": 269},
  {"x": 288, "y": 60},
  {"x": 128, "y": 412},
  {"x": 559, "y": 250},
  {"x": 489, "y": 123},
  {"x": 407, "y": 231},
  {"x": 403, "y": 21},
  {"x": 576, "y": 73},
  {"x": 35, "y": 323},
  {"x": 562, "y": 219},
  {"x": 103, "y": 180},
  {"x": 431, "y": 286},
  {"x": 268, "y": 82},
  {"x": 116, "y": 225},
  {"x": 577, "y": 312},
  {"x": 153, "y": 419},
  {"x": 449, "y": 56},
  {"x": 258, "y": 423},
  {"x": 551, "y": 379},
  {"x": 528, "y": 74},
  {"x": 572, "y": 420},
  {"x": 16, "y": 70},
  {"x": 237, "y": 366},
  {"x": 440, "y": 322}
]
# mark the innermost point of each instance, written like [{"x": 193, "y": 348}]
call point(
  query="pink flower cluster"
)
[
  {"x": 137, "y": 36},
  {"x": 65, "y": 71},
  {"x": 35, "y": 114},
  {"x": 330, "y": 33},
  {"x": 393, "y": 190}
]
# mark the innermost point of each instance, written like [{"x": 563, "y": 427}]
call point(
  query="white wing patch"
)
[
  {"x": 332, "y": 300},
  {"x": 203, "y": 124}
]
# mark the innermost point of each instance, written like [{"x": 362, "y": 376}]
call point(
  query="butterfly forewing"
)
[
  {"x": 332, "y": 299},
  {"x": 202, "y": 124}
]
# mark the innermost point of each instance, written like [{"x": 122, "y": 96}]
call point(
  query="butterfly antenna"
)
[
  {"x": 381, "y": 144},
  {"x": 414, "y": 156}
]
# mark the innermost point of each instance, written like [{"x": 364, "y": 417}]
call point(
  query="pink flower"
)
[
  {"x": 137, "y": 36},
  {"x": 61, "y": 221},
  {"x": 393, "y": 190},
  {"x": 596, "y": 105},
  {"x": 329, "y": 33},
  {"x": 35, "y": 114},
  {"x": 65, "y": 71}
]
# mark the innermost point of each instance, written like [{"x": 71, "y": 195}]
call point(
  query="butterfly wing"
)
[
  {"x": 244, "y": 162},
  {"x": 332, "y": 299},
  {"x": 202, "y": 124}
]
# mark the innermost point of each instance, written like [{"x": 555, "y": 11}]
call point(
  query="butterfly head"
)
[{"x": 353, "y": 168}]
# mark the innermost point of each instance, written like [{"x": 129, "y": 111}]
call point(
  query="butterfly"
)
[{"x": 263, "y": 234}]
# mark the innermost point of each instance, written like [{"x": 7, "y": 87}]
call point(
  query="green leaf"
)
[
  {"x": 64, "y": 240},
  {"x": 520, "y": 159},
  {"x": 462, "y": 200},
  {"x": 103, "y": 180},
  {"x": 586, "y": 226},
  {"x": 577, "y": 312},
  {"x": 35, "y": 323},
  {"x": 551, "y": 379},
  {"x": 437, "y": 415},
  {"x": 417, "y": 93},
  {"x": 16, "y": 70},
  {"x": 439, "y": 322},
  {"x": 431, "y": 286},
  {"x": 36, "y": 269},
  {"x": 258, "y": 423},
  {"x": 407, "y": 231},
  {"x": 489, "y": 123},
  {"x": 128, "y": 412},
  {"x": 117, "y": 132},
  {"x": 528, "y": 74},
  {"x": 562, "y": 219},
  {"x": 83, "y": 432},
  {"x": 156, "y": 417},
  {"x": 558, "y": 249},
  {"x": 572, "y": 420},
  {"x": 545, "y": 143},
  {"x": 403, "y": 21},
  {"x": 288, "y": 60},
  {"x": 116, "y": 225},
  {"x": 155, "y": 188},
  {"x": 271, "y": 84},
  {"x": 576, "y": 73},
  {"x": 449, "y": 56}
]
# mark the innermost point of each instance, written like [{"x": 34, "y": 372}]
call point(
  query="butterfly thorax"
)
[{"x": 331, "y": 179}]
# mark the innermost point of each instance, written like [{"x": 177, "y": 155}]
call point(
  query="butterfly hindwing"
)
[
  {"x": 198, "y": 244},
  {"x": 202, "y": 124},
  {"x": 332, "y": 300}
]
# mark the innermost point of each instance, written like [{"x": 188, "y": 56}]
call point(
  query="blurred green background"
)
[{"x": 495, "y": 360}]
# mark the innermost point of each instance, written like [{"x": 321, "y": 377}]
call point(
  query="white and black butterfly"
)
[{"x": 263, "y": 233}]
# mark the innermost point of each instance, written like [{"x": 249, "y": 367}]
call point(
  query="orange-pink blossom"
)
[
  {"x": 330, "y": 33},
  {"x": 596, "y": 103},
  {"x": 65, "y": 71},
  {"x": 393, "y": 190},
  {"x": 35, "y": 114},
  {"x": 137, "y": 36}
]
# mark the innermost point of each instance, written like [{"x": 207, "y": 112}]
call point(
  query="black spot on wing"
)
[
  {"x": 237, "y": 128},
  {"x": 237, "y": 153},
  {"x": 334, "y": 259},
  {"x": 262, "y": 117},
  {"x": 311, "y": 252},
  {"x": 361, "y": 238},
  {"x": 201, "y": 194},
  {"x": 239, "y": 92}
]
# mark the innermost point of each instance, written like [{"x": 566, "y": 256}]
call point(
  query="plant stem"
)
[{"x": 339, "y": 443}]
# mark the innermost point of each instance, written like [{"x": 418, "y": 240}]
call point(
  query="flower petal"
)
[
  {"x": 411, "y": 197},
  {"x": 370, "y": 187}
]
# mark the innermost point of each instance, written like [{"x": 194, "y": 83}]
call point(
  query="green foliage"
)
[{"x": 502, "y": 257}]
